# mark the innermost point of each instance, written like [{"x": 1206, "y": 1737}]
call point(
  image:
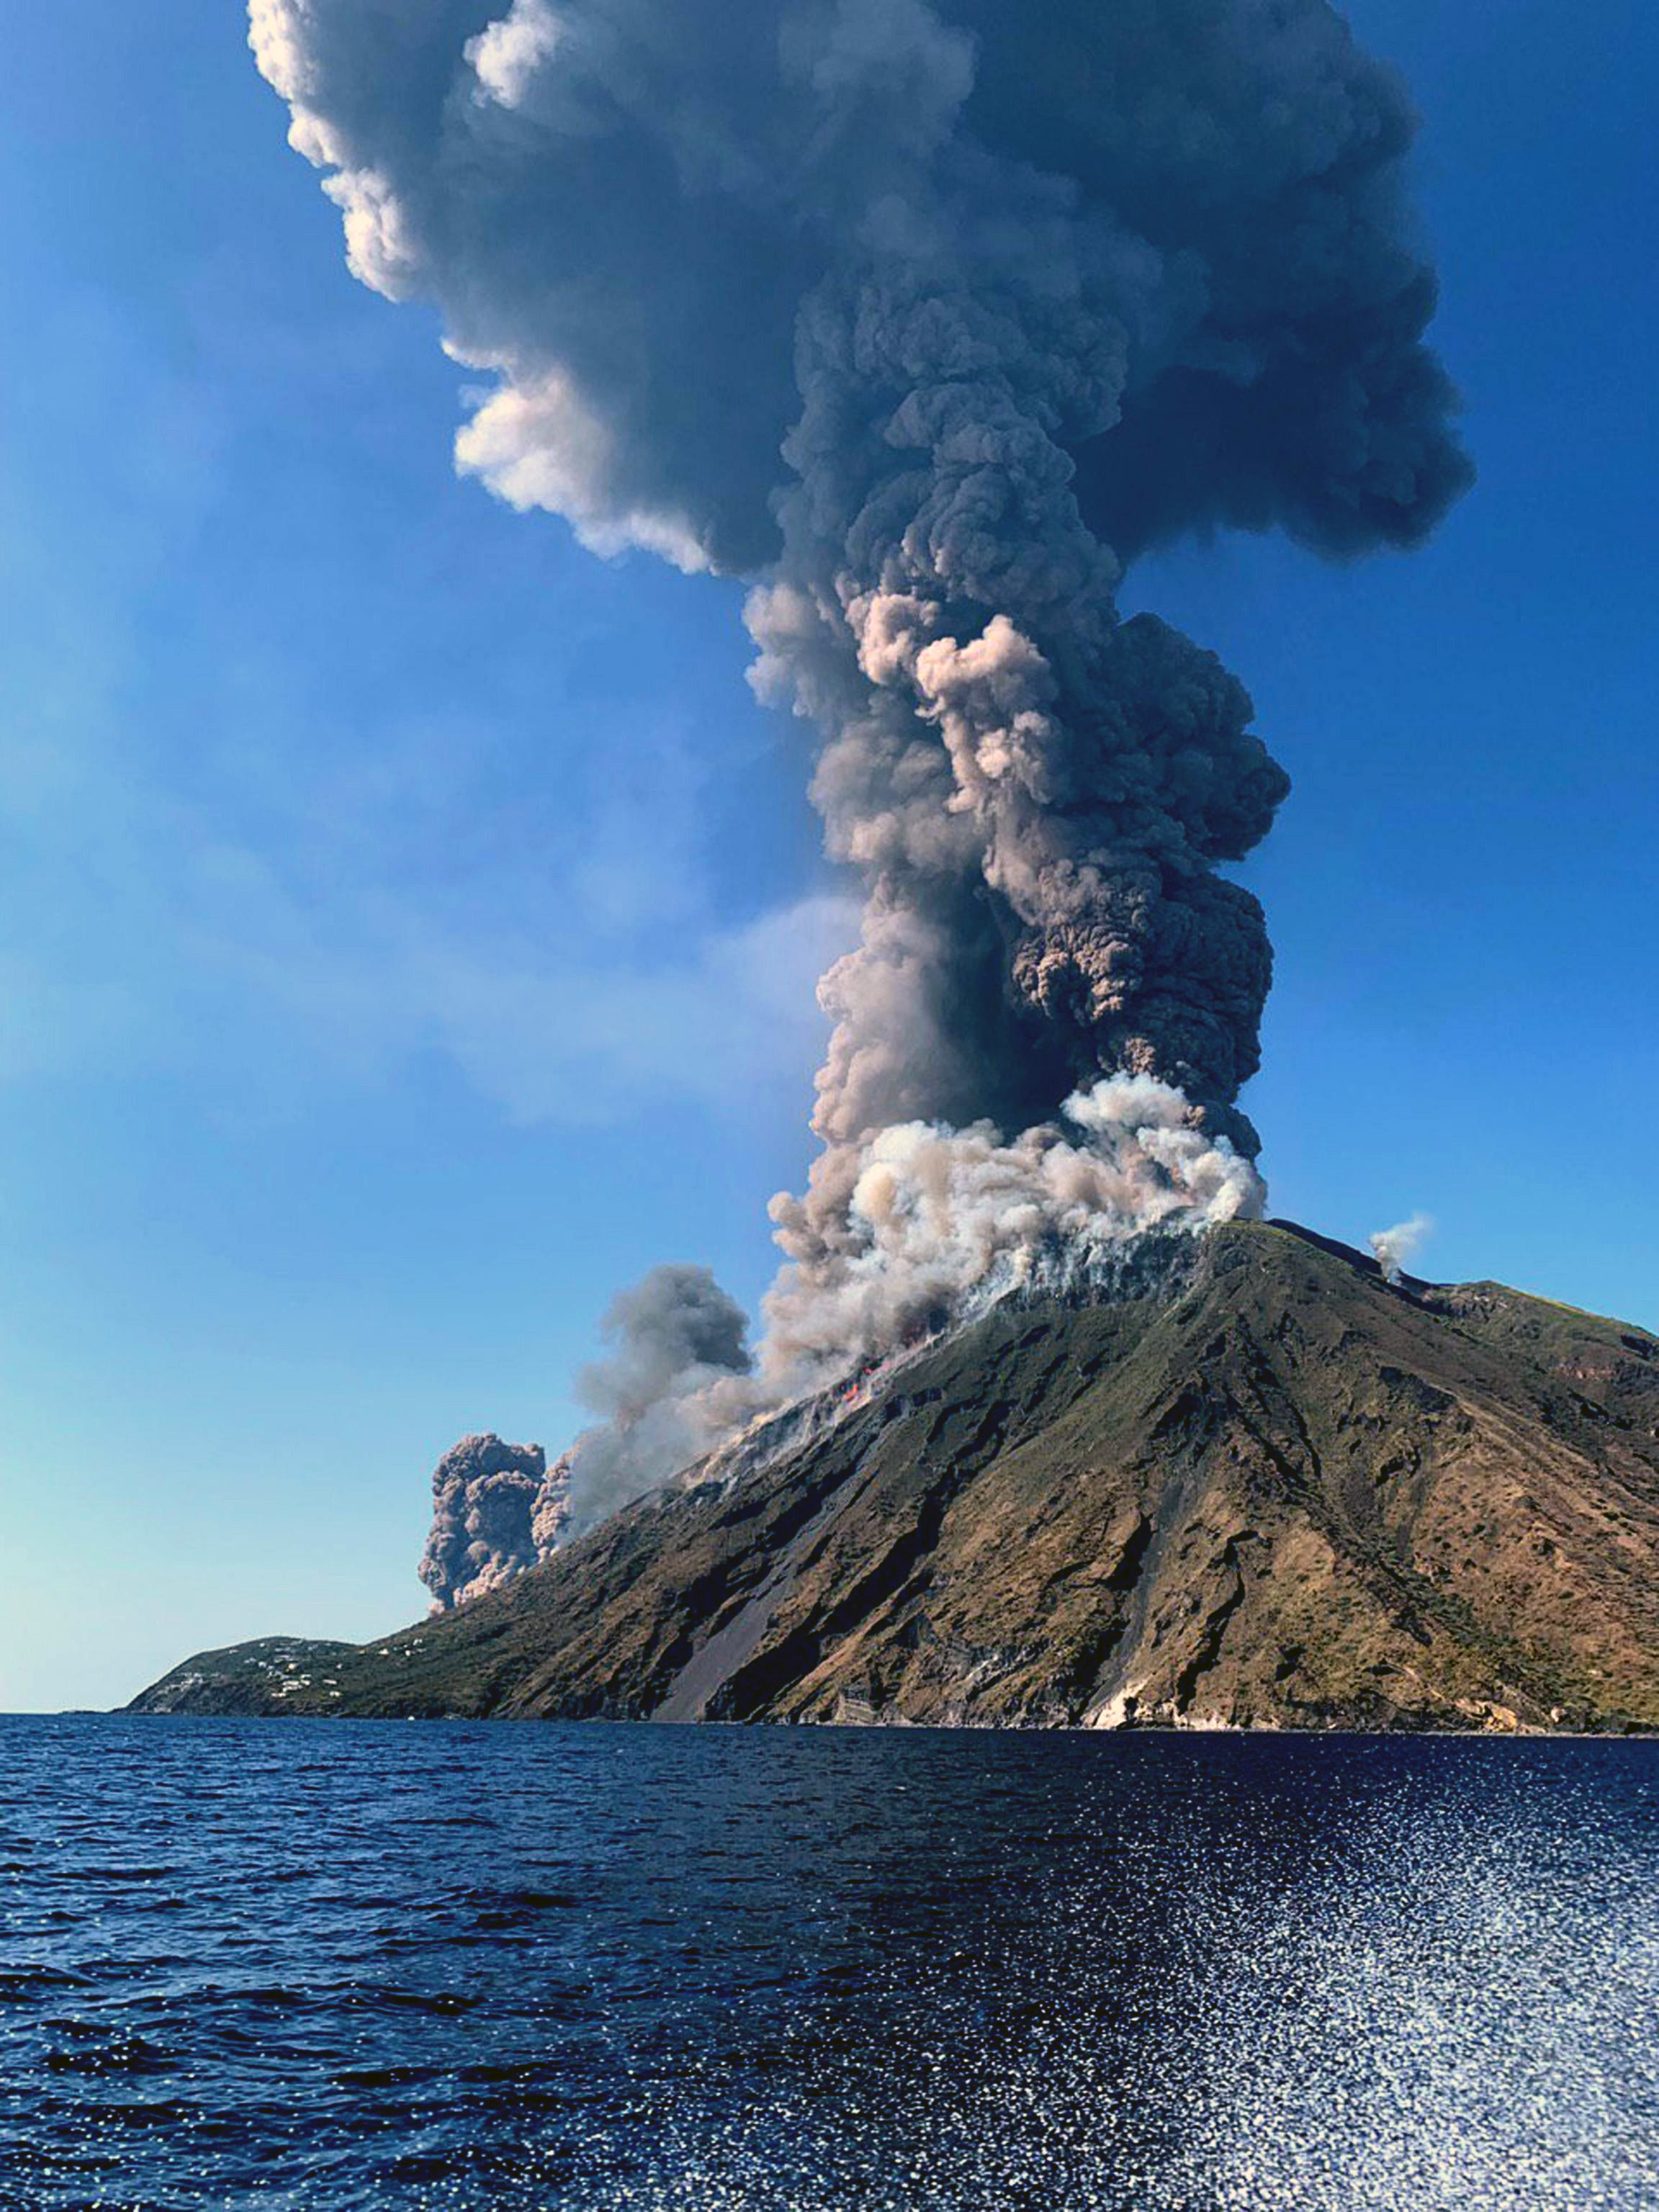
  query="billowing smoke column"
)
[
  {"x": 676, "y": 1382},
  {"x": 496, "y": 1510},
  {"x": 931, "y": 319}
]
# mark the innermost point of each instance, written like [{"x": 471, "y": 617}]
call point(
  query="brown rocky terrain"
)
[{"x": 1275, "y": 1491}]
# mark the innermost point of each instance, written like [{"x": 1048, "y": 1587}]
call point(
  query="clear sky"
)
[{"x": 408, "y": 920}]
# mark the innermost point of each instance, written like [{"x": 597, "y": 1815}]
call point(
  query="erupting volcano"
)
[{"x": 929, "y": 318}]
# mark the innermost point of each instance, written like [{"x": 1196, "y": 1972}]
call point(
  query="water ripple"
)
[{"x": 333, "y": 1967}]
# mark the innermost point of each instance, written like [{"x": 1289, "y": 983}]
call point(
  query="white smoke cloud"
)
[
  {"x": 1396, "y": 1247},
  {"x": 938, "y": 1217},
  {"x": 508, "y": 54},
  {"x": 535, "y": 446}
]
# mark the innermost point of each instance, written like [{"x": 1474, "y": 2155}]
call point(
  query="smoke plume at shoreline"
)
[
  {"x": 494, "y": 1514},
  {"x": 929, "y": 320}
]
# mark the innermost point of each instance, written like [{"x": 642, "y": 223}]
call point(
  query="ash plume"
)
[
  {"x": 677, "y": 1380},
  {"x": 929, "y": 318},
  {"x": 496, "y": 1510},
  {"x": 1396, "y": 1247}
]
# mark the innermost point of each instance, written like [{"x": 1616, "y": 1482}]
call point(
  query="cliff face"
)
[{"x": 1279, "y": 1493}]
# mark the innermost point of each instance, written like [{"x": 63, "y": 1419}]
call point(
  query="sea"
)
[{"x": 342, "y": 1964}]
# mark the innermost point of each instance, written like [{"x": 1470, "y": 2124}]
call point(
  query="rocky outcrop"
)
[{"x": 1276, "y": 1491}]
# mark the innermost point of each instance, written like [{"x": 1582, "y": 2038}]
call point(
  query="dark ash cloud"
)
[
  {"x": 931, "y": 319},
  {"x": 496, "y": 1510}
]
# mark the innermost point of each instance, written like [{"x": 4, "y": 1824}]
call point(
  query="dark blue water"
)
[{"x": 336, "y": 1965}]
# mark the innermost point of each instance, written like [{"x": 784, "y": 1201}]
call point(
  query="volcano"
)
[{"x": 1269, "y": 1488}]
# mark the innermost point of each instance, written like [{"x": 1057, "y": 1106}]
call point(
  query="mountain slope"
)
[
  {"x": 1280, "y": 1492},
  {"x": 264, "y": 1676}
]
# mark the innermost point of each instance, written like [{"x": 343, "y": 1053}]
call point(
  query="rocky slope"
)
[{"x": 1277, "y": 1491}]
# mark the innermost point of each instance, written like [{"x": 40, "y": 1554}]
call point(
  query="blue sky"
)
[{"x": 407, "y": 920}]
